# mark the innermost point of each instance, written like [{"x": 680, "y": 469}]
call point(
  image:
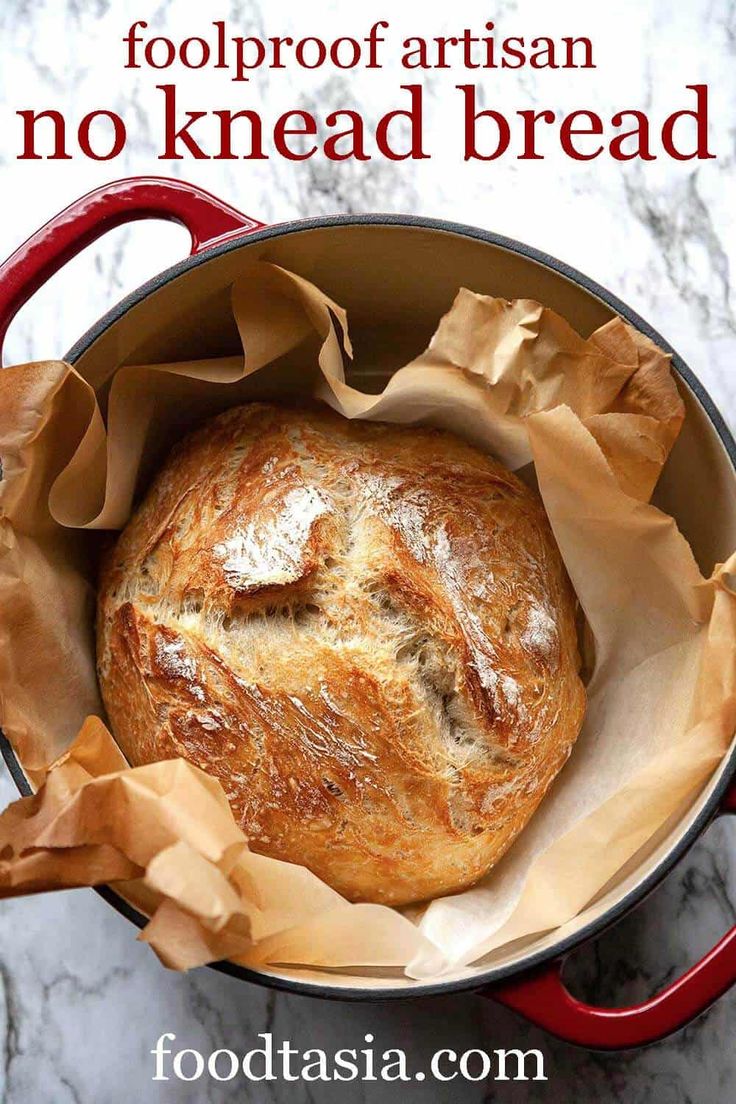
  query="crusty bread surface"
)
[{"x": 364, "y": 631}]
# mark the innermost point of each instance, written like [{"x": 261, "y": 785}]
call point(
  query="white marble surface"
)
[{"x": 80, "y": 1001}]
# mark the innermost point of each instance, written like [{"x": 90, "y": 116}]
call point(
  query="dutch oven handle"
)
[
  {"x": 541, "y": 997},
  {"x": 207, "y": 219}
]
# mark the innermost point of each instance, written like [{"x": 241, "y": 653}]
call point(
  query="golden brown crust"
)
[{"x": 365, "y": 632}]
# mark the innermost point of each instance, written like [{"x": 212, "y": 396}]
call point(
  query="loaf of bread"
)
[{"x": 364, "y": 631}]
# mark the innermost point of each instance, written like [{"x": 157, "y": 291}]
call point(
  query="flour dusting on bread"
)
[{"x": 268, "y": 551}]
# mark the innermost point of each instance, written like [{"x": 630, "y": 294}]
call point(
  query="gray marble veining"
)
[{"x": 81, "y": 1002}]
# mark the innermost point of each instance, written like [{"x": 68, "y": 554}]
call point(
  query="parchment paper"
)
[{"x": 597, "y": 417}]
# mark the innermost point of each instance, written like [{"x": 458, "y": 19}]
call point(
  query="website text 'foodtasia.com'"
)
[{"x": 280, "y": 1061}]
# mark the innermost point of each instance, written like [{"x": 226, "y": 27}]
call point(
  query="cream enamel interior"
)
[{"x": 395, "y": 282}]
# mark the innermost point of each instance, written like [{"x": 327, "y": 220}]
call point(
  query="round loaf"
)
[{"x": 364, "y": 631}]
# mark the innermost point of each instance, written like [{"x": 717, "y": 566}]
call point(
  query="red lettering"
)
[
  {"x": 640, "y": 133},
  {"x": 700, "y": 115},
  {"x": 169, "y": 47},
  {"x": 354, "y": 53},
  {"x": 30, "y": 118},
  {"x": 569, "y": 130},
  {"x": 414, "y": 115},
  {"x": 227, "y": 118},
  {"x": 321, "y": 53},
  {"x": 119, "y": 135},
  {"x": 373, "y": 39},
  {"x": 131, "y": 40},
  {"x": 471, "y": 120},
  {"x": 172, "y": 135},
  {"x": 530, "y": 133},
  {"x": 355, "y": 133},
  {"x": 283, "y": 130},
  {"x": 277, "y": 43},
  {"x": 241, "y": 65},
  {"x": 204, "y": 56}
]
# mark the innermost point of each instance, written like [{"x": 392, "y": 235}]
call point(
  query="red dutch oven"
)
[{"x": 396, "y": 275}]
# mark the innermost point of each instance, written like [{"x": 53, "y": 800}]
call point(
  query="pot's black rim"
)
[{"x": 710, "y": 809}]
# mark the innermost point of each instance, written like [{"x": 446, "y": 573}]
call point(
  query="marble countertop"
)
[{"x": 81, "y": 1002}]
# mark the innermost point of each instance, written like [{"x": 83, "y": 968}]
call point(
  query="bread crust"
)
[{"x": 364, "y": 631}]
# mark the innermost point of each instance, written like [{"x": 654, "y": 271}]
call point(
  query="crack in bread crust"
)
[{"x": 365, "y": 632}]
